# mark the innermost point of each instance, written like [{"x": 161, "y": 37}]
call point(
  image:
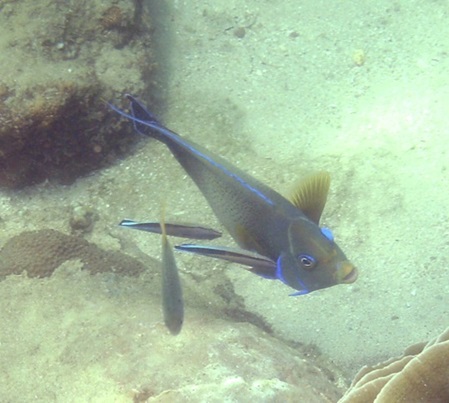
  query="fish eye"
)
[{"x": 307, "y": 262}]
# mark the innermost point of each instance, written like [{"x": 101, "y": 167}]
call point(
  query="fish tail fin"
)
[
  {"x": 142, "y": 118},
  {"x": 144, "y": 121}
]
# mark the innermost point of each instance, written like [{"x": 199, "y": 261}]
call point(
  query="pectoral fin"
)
[
  {"x": 310, "y": 195},
  {"x": 245, "y": 239}
]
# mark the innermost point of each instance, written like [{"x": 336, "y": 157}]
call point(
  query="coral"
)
[
  {"x": 420, "y": 375},
  {"x": 39, "y": 253}
]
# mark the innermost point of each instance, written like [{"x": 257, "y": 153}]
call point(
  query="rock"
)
[
  {"x": 64, "y": 60},
  {"x": 102, "y": 339},
  {"x": 82, "y": 219}
]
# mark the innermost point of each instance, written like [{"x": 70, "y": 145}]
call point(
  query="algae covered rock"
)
[
  {"x": 60, "y": 61},
  {"x": 102, "y": 339}
]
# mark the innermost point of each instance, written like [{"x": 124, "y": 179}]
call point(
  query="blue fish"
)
[{"x": 256, "y": 216}]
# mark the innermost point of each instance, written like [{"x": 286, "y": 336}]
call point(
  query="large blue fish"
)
[{"x": 257, "y": 217}]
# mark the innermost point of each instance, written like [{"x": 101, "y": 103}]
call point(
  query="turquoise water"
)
[{"x": 280, "y": 89}]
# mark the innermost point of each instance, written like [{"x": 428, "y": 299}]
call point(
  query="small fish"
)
[
  {"x": 257, "y": 217},
  {"x": 261, "y": 265},
  {"x": 172, "y": 300},
  {"x": 191, "y": 231}
]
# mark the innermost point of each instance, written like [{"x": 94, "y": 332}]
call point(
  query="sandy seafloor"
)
[{"x": 285, "y": 100}]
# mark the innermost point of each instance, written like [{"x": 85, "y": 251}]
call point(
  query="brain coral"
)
[{"x": 40, "y": 252}]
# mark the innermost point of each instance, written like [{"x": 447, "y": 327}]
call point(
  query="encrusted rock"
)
[
  {"x": 102, "y": 339},
  {"x": 65, "y": 59},
  {"x": 83, "y": 219}
]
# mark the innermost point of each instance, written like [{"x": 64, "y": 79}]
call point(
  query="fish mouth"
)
[
  {"x": 351, "y": 277},
  {"x": 348, "y": 272}
]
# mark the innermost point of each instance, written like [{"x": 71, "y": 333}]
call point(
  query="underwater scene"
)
[{"x": 224, "y": 201}]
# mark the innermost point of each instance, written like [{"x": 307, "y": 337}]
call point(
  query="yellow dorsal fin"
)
[{"x": 310, "y": 195}]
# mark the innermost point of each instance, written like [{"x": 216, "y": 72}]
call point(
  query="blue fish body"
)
[{"x": 257, "y": 217}]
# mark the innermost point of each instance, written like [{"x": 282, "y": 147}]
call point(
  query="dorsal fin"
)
[{"x": 310, "y": 195}]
